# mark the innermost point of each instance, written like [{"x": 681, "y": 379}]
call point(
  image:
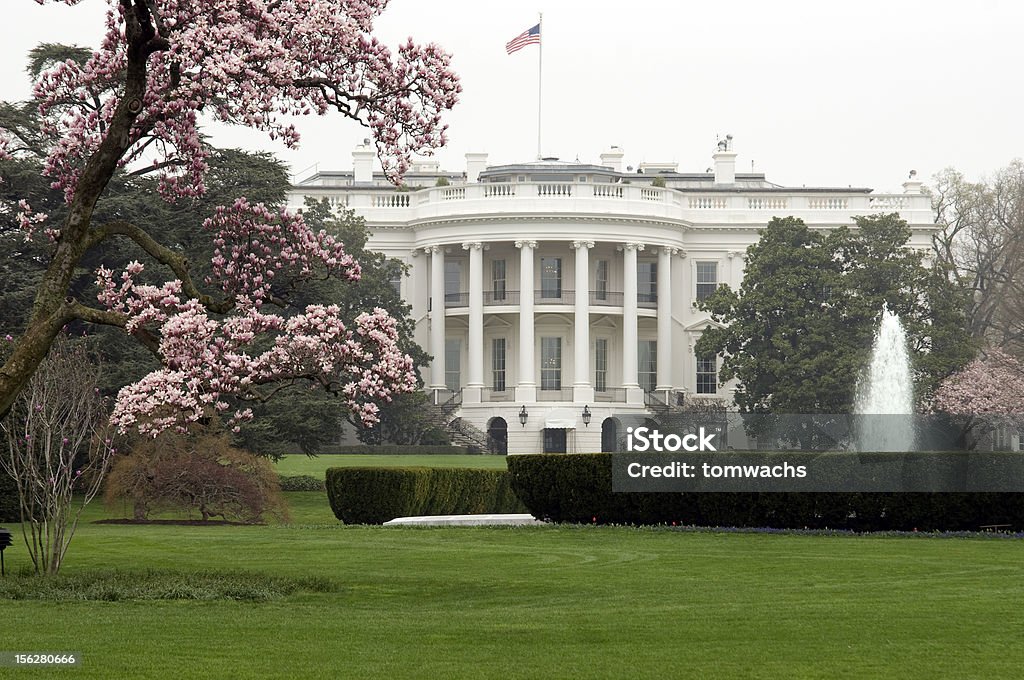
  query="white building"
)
[{"x": 547, "y": 290}]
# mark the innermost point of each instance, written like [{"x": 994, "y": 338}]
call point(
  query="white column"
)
[
  {"x": 475, "y": 377},
  {"x": 436, "y": 316},
  {"x": 630, "y": 378},
  {"x": 526, "y": 390},
  {"x": 582, "y": 389},
  {"x": 665, "y": 320}
]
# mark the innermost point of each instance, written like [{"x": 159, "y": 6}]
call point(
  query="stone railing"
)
[{"x": 721, "y": 207}]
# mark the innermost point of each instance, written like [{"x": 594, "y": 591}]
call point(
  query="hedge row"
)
[
  {"x": 577, "y": 488},
  {"x": 398, "y": 449},
  {"x": 369, "y": 495},
  {"x": 9, "y": 506},
  {"x": 300, "y": 483}
]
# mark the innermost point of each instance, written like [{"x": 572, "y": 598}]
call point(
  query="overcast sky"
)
[{"x": 814, "y": 92}]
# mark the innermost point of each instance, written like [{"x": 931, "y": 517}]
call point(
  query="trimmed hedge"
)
[
  {"x": 10, "y": 510},
  {"x": 373, "y": 495},
  {"x": 577, "y": 488},
  {"x": 301, "y": 483},
  {"x": 399, "y": 450}
]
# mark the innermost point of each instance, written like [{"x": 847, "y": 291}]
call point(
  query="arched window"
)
[
  {"x": 497, "y": 436},
  {"x": 609, "y": 435}
]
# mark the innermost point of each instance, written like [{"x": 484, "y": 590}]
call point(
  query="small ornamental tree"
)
[
  {"x": 989, "y": 391},
  {"x": 200, "y": 472},
  {"x": 134, "y": 106},
  {"x": 57, "y": 449}
]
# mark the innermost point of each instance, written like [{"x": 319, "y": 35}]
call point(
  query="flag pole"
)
[{"x": 540, "y": 77}]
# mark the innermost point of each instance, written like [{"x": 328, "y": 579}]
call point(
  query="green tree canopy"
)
[{"x": 797, "y": 332}]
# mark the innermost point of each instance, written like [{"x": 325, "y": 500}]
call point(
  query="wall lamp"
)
[
  {"x": 586, "y": 416},
  {"x": 523, "y": 415}
]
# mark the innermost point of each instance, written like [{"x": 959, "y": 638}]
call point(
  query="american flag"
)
[{"x": 527, "y": 37}]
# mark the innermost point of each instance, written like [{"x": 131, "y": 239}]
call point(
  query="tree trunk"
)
[{"x": 52, "y": 310}]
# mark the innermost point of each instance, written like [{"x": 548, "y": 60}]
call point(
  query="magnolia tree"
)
[
  {"x": 989, "y": 391},
  {"x": 135, "y": 106}
]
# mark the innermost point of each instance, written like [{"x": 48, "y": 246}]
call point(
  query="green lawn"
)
[
  {"x": 549, "y": 602},
  {"x": 304, "y": 465}
]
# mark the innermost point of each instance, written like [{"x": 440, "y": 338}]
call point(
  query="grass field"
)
[
  {"x": 304, "y": 465},
  {"x": 549, "y": 602}
]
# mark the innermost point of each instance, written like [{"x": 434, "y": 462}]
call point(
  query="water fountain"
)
[{"x": 885, "y": 393}]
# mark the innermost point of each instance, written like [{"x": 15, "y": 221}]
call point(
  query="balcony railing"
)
[
  {"x": 450, "y": 400},
  {"x": 606, "y": 298},
  {"x": 739, "y": 206},
  {"x": 506, "y": 297},
  {"x": 614, "y": 394},
  {"x": 563, "y": 297},
  {"x": 491, "y": 394},
  {"x": 562, "y": 394},
  {"x": 456, "y": 299}
]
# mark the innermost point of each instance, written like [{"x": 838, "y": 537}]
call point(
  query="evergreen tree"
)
[{"x": 798, "y": 330}]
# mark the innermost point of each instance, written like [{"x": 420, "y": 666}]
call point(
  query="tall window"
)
[
  {"x": 550, "y": 277},
  {"x": 498, "y": 364},
  {"x": 707, "y": 279},
  {"x": 647, "y": 364},
  {"x": 601, "y": 280},
  {"x": 453, "y": 364},
  {"x": 551, "y": 363},
  {"x": 647, "y": 281},
  {"x": 498, "y": 279},
  {"x": 452, "y": 281},
  {"x": 707, "y": 374},
  {"x": 601, "y": 365},
  {"x": 395, "y": 279}
]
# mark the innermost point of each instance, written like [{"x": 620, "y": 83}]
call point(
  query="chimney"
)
[
  {"x": 362, "y": 163},
  {"x": 475, "y": 164},
  {"x": 913, "y": 184},
  {"x": 612, "y": 158},
  {"x": 725, "y": 162}
]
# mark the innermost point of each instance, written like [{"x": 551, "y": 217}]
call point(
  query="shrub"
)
[
  {"x": 198, "y": 473},
  {"x": 58, "y": 447},
  {"x": 368, "y": 495},
  {"x": 301, "y": 483},
  {"x": 577, "y": 488}
]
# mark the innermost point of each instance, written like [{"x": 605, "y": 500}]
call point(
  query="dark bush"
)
[
  {"x": 370, "y": 495},
  {"x": 9, "y": 506},
  {"x": 577, "y": 488},
  {"x": 195, "y": 473},
  {"x": 301, "y": 483},
  {"x": 399, "y": 449}
]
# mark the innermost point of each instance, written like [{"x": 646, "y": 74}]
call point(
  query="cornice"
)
[{"x": 532, "y": 218}]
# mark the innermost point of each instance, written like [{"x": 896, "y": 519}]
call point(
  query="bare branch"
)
[{"x": 177, "y": 262}]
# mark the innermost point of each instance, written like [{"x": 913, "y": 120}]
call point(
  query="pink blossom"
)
[
  {"x": 209, "y": 361},
  {"x": 991, "y": 384},
  {"x": 254, "y": 64}
]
